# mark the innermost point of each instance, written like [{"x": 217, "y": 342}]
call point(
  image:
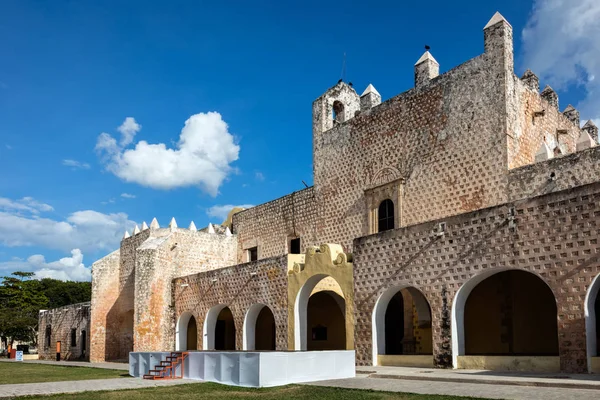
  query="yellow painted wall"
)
[
  {"x": 595, "y": 365},
  {"x": 326, "y": 260},
  {"x": 510, "y": 363},
  {"x": 420, "y": 361}
]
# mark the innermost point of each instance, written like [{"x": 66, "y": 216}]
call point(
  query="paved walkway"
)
[
  {"x": 29, "y": 389},
  {"x": 557, "y": 380},
  {"x": 104, "y": 365},
  {"x": 490, "y": 391}
]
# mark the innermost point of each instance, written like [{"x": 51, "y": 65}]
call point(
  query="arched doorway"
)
[
  {"x": 219, "y": 329},
  {"x": 326, "y": 321},
  {"x": 507, "y": 321},
  {"x": 402, "y": 328},
  {"x": 186, "y": 333},
  {"x": 592, "y": 325},
  {"x": 320, "y": 323},
  {"x": 259, "y": 328}
]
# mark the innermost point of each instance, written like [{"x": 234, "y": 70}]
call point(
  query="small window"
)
[
  {"x": 295, "y": 246},
  {"x": 338, "y": 111},
  {"x": 253, "y": 254},
  {"x": 386, "y": 215},
  {"x": 48, "y": 337},
  {"x": 319, "y": 332},
  {"x": 73, "y": 337}
]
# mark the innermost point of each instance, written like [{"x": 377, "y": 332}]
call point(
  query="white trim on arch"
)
[
  {"x": 181, "y": 331},
  {"x": 210, "y": 324},
  {"x": 378, "y": 316},
  {"x": 590, "y": 321},
  {"x": 460, "y": 300}
]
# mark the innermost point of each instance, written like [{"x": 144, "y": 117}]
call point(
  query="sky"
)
[{"x": 116, "y": 112}]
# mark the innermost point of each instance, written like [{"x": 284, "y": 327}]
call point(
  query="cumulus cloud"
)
[
  {"x": 65, "y": 269},
  {"x": 201, "y": 157},
  {"x": 75, "y": 164},
  {"x": 561, "y": 43},
  {"x": 22, "y": 225},
  {"x": 26, "y": 205},
  {"x": 128, "y": 130},
  {"x": 128, "y": 196},
  {"x": 221, "y": 211}
]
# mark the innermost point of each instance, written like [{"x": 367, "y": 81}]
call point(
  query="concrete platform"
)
[{"x": 254, "y": 368}]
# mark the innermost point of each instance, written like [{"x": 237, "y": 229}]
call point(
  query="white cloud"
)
[
  {"x": 201, "y": 157},
  {"x": 25, "y": 205},
  {"x": 221, "y": 211},
  {"x": 128, "y": 196},
  {"x": 128, "y": 130},
  {"x": 259, "y": 176},
  {"x": 75, "y": 164},
  {"x": 65, "y": 269},
  {"x": 88, "y": 230},
  {"x": 561, "y": 43}
]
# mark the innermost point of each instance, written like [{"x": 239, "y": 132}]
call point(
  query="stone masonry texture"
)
[
  {"x": 458, "y": 148},
  {"x": 58, "y": 325}
]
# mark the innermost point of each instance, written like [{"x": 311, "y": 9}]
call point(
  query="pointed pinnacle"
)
[
  {"x": 126, "y": 235},
  {"x": 192, "y": 227},
  {"x": 211, "y": 228},
  {"x": 227, "y": 232},
  {"x": 136, "y": 230},
  {"x": 154, "y": 224},
  {"x": 173, "y": 223},
  {"x": 144, "y": 226}
]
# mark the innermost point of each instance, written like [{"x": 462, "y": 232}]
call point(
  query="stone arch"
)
[
  {"x": 254, "y": 316},
  {"x": 460, "y": 302},
  {"x": 592, "y": 312},
  {"x": 338, "y": 111},
  {"x": 328, "y": 260},
  {"x": 210, "y": 326},
  {"x": 182, "y": 332},
  {"x": 378, "y": 318}
]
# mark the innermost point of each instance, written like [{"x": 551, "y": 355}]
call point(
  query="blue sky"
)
[{"x": 243, "y": 73}]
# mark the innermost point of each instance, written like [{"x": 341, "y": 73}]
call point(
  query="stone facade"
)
[
  {"x": 484, "y": 174},
  {"x": 63, "y": 325}
]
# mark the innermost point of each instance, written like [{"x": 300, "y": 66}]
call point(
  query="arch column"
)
[{"x": 181, "y": 331}]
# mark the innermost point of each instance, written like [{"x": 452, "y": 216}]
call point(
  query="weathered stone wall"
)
[
  {"x": 555, "y": 237},
  {"x": 271, "y": 225},
  {"x": 61, "y": 321},
  {"x": 105, "y": 295},
  {"x": 533, "y": 121},
  {"x": 236, "y": 288},
  {"x": 176, "y": 252},
  {"x": 556, "y": 174},
  {"x": 444, "y": 142}
]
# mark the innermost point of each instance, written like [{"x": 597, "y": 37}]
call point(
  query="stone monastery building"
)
[{"x": 456, "y": 224}]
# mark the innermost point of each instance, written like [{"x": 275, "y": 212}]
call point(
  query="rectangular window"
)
[
  {"x": 295, "y": 246},
  {"x": 73, "y": 337},
  {"x": 253, "y": 254}
]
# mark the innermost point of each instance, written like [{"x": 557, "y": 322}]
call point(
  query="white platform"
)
[{"x": 253, "y": 368}]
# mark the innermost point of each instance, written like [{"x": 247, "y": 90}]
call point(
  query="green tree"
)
[{"x": 22, "y": 297}]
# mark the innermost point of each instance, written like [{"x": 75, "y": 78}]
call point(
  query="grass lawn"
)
[
  {"x": 216, "y": 391},
  {"x": 14, "y": 372}
]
